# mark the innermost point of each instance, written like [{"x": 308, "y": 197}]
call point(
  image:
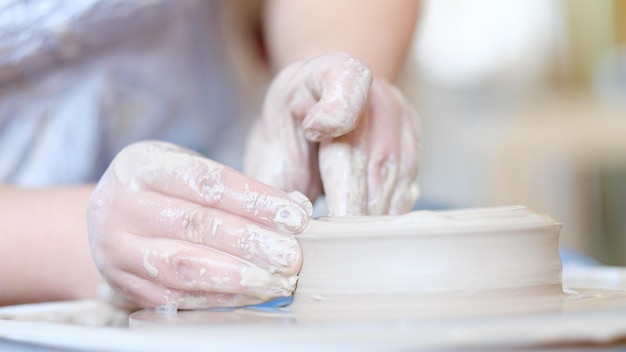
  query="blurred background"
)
[
  {"x": 521, "y": 101},
  {"x": 524, "y": 102}
]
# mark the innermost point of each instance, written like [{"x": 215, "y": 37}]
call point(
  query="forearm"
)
[
  {"x": 45, "y": 251},
  {"x": 377, "y": 31}
]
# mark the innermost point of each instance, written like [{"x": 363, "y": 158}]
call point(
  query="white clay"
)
[
  {"x": 260, "y": 281},
  {"x": 407, "y": 262},
  {"x": 428, "y": 252},
  {"x": 150, "y": 269}
]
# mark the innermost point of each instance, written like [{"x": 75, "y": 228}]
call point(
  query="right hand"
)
[
  {"x": 170, "y": 227},
  {"x": 332, "y": 127}
]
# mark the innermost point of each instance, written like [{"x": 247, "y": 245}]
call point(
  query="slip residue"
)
[
  {"x": 286, "y": 214},
  {"x": 150, "y": 269},
  {"x": 265, "y": 284},
  {"x": 281, "y": 251}
]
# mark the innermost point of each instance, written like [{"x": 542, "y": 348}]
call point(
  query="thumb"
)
[{"x": 341, "y": 85}]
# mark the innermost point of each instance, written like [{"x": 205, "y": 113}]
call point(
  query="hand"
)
[
  {"x": 328, "y": 126},
  {"x": 169, "y": 227}
]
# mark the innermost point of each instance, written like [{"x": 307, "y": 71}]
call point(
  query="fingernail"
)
[
  {"x": 302, "y": 200},
  {"x": 291, "y": 217},
  {"x": 312, "y": 135},
  {"x": 280, "y": 251},
  {"x": 285, "y": 256}
]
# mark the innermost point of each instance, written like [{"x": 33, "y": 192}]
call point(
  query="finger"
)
[
  {"x": 148, "y": 294},
  {"x": 293, "y": 162},
  {"x": 315, "y": 99},
  {"x": 385, "y": 144},
  {"x": 182, "y": 266},
  {"x": 407, "y": 190},
  {"x": 340, "y": 84},
  {"x": 325, "y": 93},
  {"x": 176, "y": 172},
  {"x": 343, "y": 169},
  {"x": 161, "y": 217}
]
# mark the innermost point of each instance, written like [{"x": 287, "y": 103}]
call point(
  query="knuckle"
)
[
  {"x": 384, "y": 169},
  {"x": 180, "y": 263},
  {"x": 209, "y": 184},
  {"x": 131, "y": 153},
  {"x": 184, "y": 270},
  {"x": 124, "y": 167},
  {"x": 198, "y": 225}
]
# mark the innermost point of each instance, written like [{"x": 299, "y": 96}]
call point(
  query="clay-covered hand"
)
[
  {"x": 170, "y": 227},
  {"x": 328, "y": 126}
]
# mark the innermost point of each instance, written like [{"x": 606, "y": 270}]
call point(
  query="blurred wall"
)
[{"x": 524, "y": 102}]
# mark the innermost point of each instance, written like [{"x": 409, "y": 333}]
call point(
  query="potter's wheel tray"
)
[
  {"x": 473, "y": 278},
  {"x": 591, "y": 316}
]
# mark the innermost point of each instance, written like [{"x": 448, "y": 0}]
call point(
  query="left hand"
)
[
  {"x": 329, "y": 126},
  {"x": 170, "y": 227}
]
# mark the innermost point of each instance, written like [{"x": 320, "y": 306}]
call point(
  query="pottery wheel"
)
[{"x": 471, "y": 278}]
